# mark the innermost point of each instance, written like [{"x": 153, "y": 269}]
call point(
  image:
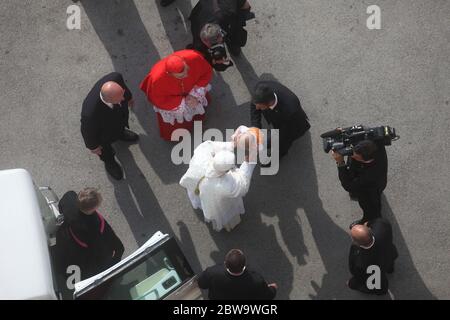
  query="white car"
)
[{"x": 29, "y": 221}]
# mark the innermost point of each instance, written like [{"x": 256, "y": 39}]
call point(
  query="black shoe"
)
[
  {"x": 165, "y": 3},
  {"x": 129, "y": 136},
  {"x": 114, "y": 169},
  {"x": 354, "y": 223},
  {"x": 190, "y": 46}
]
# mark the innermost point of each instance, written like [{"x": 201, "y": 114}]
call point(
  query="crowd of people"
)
[{"x": 178, "y": 89}]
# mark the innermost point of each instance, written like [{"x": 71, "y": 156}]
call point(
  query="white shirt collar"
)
[
  {"x": 107, "y": 103},
  {"x": 275, "y": 103},
  {"x": 373, "y": 242}
]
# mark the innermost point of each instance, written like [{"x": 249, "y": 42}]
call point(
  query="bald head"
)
[
  {"x": 112, "y": 92},
  {"x": 361, "y": 235}
]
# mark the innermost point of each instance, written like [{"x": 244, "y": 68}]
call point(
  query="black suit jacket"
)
[
  {"x": 288, "y": 116},
  {"x": 99, "y": 123},
  {"x": 358, "y": 177},
  {"x": 223, "y": 286},
  {"x": 383, "y": 254}
]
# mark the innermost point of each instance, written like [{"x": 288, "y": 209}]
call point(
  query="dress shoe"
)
[
  {"x": 114, "y": 169},
  {"x": 165, "y": 3},
  {"x": 129, "y": 136}
]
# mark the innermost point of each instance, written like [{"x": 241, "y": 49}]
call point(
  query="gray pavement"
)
[{"x": 295, "y": 227}]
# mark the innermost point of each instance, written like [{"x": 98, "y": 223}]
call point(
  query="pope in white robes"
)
[{"x": 214, "y": 183}]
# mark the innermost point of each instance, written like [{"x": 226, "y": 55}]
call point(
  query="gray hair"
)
[{"x": 210, "y": 34}]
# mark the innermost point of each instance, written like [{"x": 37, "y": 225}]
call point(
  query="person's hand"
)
[
  {"x": 191, "y": 101},
  {"x": 339, "y": 158},
  {"x": 131, "y": 103},
  {"x": 97, "y": 151},
  {"x": 273, "y": 285}
]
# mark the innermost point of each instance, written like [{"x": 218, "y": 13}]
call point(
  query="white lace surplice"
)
[{"x": 183, "y": 112}]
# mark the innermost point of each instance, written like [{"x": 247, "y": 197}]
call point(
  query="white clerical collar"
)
[
  {"x": 373, "y": 242},
  {"x": 276, "y": 102},
  {"x": 237, "y": 274},
  {"x": 107, "y": 103}
]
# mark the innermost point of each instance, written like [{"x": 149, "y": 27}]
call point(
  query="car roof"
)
[{"x": 25, "y": 269}]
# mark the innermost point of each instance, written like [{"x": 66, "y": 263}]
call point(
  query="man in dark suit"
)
[
  {"x": 372, "y": 246},
  {"x": 234, "y": 281},
  {"x": 281, "y": 108},
  {"x": 364, "y": 176},
  {"x": 104, "y": 119}
]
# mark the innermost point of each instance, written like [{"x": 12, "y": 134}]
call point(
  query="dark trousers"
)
[
  {"x": 370, "y": 202},
  {"x": 107, "y": 153}
]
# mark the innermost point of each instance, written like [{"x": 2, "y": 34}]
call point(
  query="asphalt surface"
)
[{"x": 295, "y": 228}]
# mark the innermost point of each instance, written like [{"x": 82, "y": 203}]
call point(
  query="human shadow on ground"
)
[
  {"x": 405, "y": 283},
  {"x": 121, "y": 30}
]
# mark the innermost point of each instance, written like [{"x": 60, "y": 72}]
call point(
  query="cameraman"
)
[
  {"x": 230, "y": 15},
  {"x": 364, "y": 176},
  {"x": 213, "y": 48}
]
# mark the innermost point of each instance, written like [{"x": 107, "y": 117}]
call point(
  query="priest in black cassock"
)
[{"x": 372, "y": 246}]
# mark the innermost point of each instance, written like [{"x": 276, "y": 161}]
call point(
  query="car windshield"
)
[{"x": 152, "y": 276}]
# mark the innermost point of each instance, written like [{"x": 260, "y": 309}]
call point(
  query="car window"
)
[{"x": 152, "y": 277}]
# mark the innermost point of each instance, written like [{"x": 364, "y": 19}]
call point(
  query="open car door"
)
[{"x": 157, "y": 270}]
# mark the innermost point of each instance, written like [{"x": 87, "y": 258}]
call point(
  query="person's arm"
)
[
  {"x": 255, "y": 117},
  {"x": 222, "y": 146},
  {"x": 286, "y": 134},
  {"x": 205, "y": 70},
  {"x": 203, "y": 280},
  {"x": 160, "y": 99},
  {"x": 114, "y": 243},
  {"x": 352, "y": 183},
  {"x": 266, "y": 291},
  {"x": 90, "y": 132},
  {"x": 239, "y": 181}
]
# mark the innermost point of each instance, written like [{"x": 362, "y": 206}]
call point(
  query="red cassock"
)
[{"x": 166, "y": 92}]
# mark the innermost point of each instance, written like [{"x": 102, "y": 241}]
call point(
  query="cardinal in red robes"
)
[{"x": 178, "y": 86}]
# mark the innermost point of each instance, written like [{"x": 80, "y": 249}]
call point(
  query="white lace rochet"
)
[{"x": 183, "y": 112}]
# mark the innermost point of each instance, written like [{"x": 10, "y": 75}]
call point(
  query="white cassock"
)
[{"x": 219, "y": 194}]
